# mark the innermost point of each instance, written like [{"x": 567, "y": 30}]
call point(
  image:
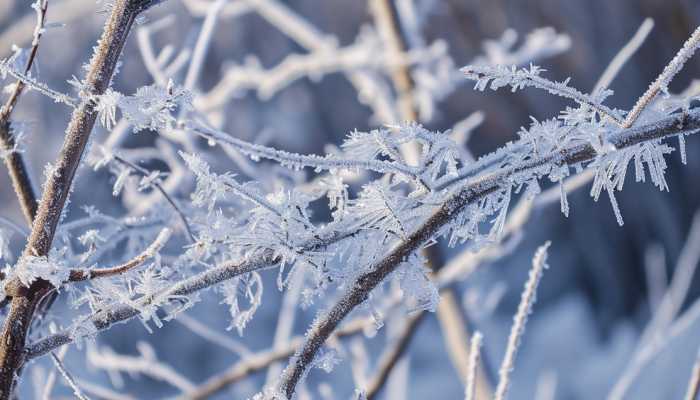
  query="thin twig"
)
[
  {"x": 694, "y": 382},
  {"x": 474, "y": 355},
  {"x": 661, "y": 83},
  {"x": 539, "y": 263},
  {"x": 13, "y": 159},
  {"x": 392, "y": 355},
  {"x": 78, "y": 275},
  {"x": 68, "y": 378},
  {"x": 155, "y": 183}
]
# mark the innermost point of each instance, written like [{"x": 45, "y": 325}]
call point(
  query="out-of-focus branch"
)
[
  {"x": 9, "y": 146},
  {"x": 259, "y": 361},
  {"x": 392, "y": 355},
  {"x": 694, "y": 382},
  {"x": 145, "y": 363}
]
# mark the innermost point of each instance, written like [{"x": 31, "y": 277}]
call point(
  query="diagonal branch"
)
[{"x": 359, "y": 291}]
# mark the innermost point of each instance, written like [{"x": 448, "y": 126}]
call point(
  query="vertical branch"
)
[
  {"x": 58, "y": 186},
  {"x": 13, "y": 159},
  {"x": 386, "y": 19}
]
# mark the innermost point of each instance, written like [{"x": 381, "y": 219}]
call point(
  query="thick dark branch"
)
[
  {"x": 57, "y": 188},
  {"x": 8, "y": 142},
  {"x": 474, "y": 190}
]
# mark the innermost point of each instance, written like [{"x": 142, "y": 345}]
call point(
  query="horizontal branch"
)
[{"x": 298, "y": 161}]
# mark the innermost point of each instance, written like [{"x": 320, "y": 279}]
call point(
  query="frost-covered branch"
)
[
  {"x": 661, "y": 83},
  {"x": 497, "y": 77},
  {"x": 150, "y": 252},
  {"x": 57, "y": 188},
  {"x": 77, "y": 392},
  {"x": 10, "y": 146},
  {"x": 364, "y": 283},
  {"x": 529, "y": 295},
  {"x": 474, "y": 190}
]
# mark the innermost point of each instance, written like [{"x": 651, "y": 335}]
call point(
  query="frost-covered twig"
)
[
  {"x": 499, "y": 76},
  {"x": 298, "y": 161},
  {"x": 68, "y": 378},
  {"x": 539, "y": 264},
  {"x": 149, "y": 179},
  {"x": 9, "y": 151},
  {"x": 150, "y": 252},
  {"x": 661, "y": 83},
  {"x": 474, "y": 355}
]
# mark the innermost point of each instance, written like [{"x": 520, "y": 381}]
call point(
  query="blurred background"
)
[{"x": 598, "y": 294}]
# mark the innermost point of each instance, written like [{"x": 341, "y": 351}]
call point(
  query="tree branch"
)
[
  {"x": 78, "y": 275},
  {"x": 474, "y": 190},
  {"x": 24, "y": 300}
]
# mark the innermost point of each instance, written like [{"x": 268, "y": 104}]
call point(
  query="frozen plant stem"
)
[
  {"x": 13, "y": 159},
  {"x": 58, "y": 186},
  {"x": 387, "y": 21},
  {"x": 661, "y": 83},
  {"x": 539, "y": 264}
]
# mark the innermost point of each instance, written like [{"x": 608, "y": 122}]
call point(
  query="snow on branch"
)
[{"x": 500, "y": 76}]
